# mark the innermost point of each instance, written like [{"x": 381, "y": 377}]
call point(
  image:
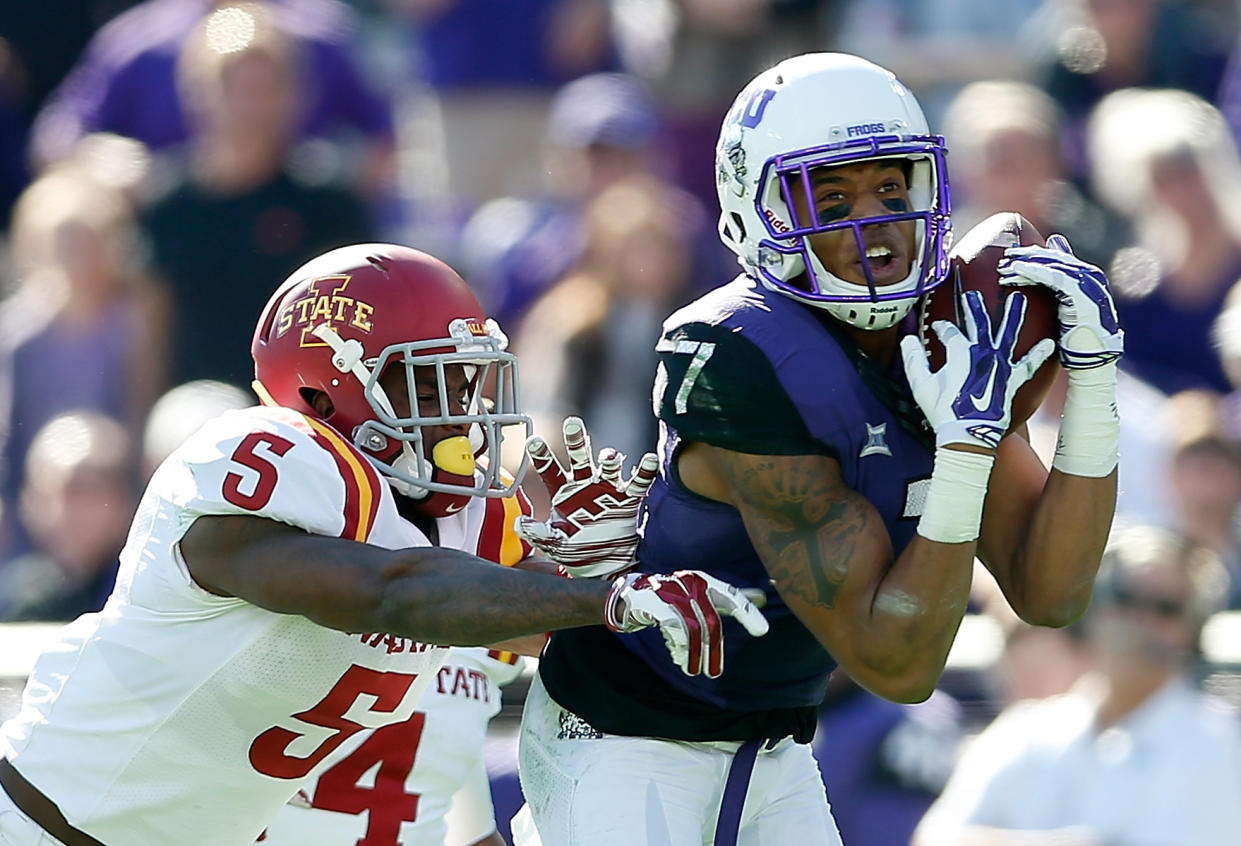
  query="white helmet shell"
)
[{"x": 822, "y": 110}]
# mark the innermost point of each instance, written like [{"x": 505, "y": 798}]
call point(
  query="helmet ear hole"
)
[
  {"x": 738, "y": 225},
  {"x": 732, "y": 232},
  {"x": 319, "y": 401}
]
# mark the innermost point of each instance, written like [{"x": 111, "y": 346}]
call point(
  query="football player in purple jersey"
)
[{"x": 807, "y": 450}]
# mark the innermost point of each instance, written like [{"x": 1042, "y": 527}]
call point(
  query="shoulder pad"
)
[{"x": 278, "y": 464}]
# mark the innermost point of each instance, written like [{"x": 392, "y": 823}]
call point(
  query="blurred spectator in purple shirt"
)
[
  {"x": 883, "y": 764},
  {"x": 126, "y": 83},
  {"x": 589, "y": 341},
  {"x": 1004, "y": 138},
  {"x": 83, "y": 329},
  {"x": 696, "y": 54}
]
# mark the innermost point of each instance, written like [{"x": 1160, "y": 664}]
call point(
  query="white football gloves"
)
[
  {"x": 969, "y": 400},
  {"x": 687, "y": 606},
  {"x": 593, "y": 529},
  {"x": 1090, "y": 333},
  {"x": 1091, "y": 341}
]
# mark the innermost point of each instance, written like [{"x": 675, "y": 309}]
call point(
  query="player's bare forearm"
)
[
  {"x": 470, "y": 602},
  {"x": 1043, "y": 535},
  {"x": 1053, "y": 573},
  {"x": 531, "y": 645},
  {"x": 888, "y": 622},
  {"x": 431, "y": 594}
]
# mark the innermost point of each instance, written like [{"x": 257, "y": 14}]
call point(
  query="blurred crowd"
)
[{"x": 165, "y": 163}]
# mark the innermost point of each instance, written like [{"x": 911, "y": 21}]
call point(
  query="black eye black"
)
[{"x": 833, "y": 213}]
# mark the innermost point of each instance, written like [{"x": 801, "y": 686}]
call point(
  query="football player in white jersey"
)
[
  {"x": 422, "y": 782},
  {"x": 276, "y": 596},
  {"x": 417, "y": 783}
]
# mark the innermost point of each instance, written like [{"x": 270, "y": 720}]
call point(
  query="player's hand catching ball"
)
[
  {"x": 969, "y": 400},
  {"x": 593, "y": 530},
  {"x": 1090, "y": 333},
  {"x": 687, "y": 606}
]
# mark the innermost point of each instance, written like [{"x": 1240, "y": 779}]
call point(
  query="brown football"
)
[{"x": 974, "y": 259}]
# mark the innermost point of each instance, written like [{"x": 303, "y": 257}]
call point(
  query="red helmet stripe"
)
[{"x": 362, "y": 483}]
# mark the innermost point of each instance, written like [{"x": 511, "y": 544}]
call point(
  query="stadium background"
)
[{"x": 559, "y": 154}]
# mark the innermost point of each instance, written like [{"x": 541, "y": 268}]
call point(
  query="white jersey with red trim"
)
[
  {"x": 421, "y": 782},
  {"x": 398, "y": 785},
  {"x": 178, "y": 716}
]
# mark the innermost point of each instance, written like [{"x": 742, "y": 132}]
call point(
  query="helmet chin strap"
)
[
  {"x": 477, "y": 439},
  {"x": 407, "y": 465},
  {"x": 347, "y": 358}
]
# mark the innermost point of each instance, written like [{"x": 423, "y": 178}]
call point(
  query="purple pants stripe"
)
[{"x": 728, "y": 825}]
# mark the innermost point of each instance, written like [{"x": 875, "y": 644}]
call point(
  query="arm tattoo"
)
[{"x": 804, "y": 526}]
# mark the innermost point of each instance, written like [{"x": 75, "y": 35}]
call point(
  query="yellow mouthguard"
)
[{"x": 454, "y": 455}]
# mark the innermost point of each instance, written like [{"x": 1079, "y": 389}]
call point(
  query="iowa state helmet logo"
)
[{"x": 326, "y": 302}]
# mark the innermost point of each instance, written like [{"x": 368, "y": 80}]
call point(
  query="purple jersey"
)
[{"x": 749, "y": 370}]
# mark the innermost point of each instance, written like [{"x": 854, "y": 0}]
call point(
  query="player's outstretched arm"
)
[
  {"x": 1043, "y": 534},
  {"x": 352, "y": 586},
  {"x": 438, "y": 595}
]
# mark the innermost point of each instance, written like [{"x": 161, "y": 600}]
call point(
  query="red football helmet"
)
[{"x": 340, "y": 319}]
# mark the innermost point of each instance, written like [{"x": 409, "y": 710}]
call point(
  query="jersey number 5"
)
[{"x": 247, "y": 456}]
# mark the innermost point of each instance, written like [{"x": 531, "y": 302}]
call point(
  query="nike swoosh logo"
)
[{"x": 982, "y": 401}]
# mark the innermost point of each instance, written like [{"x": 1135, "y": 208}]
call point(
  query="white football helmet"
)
[{"x": 816, "y": 110}]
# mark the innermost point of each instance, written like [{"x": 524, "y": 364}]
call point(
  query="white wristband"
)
[
  {"x": 1089, "y": 442},
  {"x": 953, "y": 509}
]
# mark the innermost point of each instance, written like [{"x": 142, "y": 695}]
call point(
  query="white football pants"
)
[{"x": 586, "y": 788}]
